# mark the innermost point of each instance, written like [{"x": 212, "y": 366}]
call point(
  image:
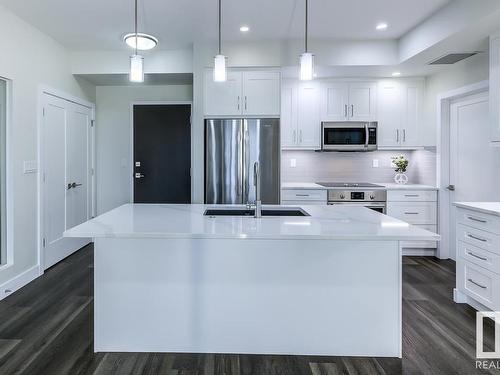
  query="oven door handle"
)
[{"x": 367, "y": 135}]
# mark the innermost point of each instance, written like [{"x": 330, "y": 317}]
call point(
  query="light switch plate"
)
[
  {"x": 293, "y": 163},
  {"x": 30, "y": 166}
]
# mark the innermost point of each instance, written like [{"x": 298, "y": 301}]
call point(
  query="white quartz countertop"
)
[
  {"x": 344, "y": 222},
  {"x": 492, "y": 208},
  {"x": 384, "y": 185}
]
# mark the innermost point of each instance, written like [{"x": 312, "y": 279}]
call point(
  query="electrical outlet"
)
[
  {"x": 30, "y": 166},
  {"x": 375, "y": 163},
  {"x": 393, "y": 165},
  {"x": 293, "y": 163}
]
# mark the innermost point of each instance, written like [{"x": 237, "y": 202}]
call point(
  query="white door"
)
[
  {"x": 473, "y": 162},
  {"x": 390, "y": 113},
  {"x": 288, "y": 115},
  {"x": 223, "y": 98},
  {"x": 308, "y": 123},
  {"x": 362, "y": 101},
  {"x": 261, "y": 93},
  {"x": 66, "y": 175},
  {"x": 335, "y": 96}
]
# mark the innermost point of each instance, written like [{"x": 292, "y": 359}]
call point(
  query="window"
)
[{"x": 3, "y": 145}]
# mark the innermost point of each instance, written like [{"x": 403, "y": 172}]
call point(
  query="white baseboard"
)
[
  {"x": 19, "y": 281},
  {"x": 409, "y": 251}
]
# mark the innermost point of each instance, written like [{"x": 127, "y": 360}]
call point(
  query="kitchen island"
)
[{"x": 170, "y": 279}]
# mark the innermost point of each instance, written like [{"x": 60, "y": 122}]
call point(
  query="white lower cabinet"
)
[
  {"x": 478, "y": 257},
  {"x": 304, "y": 196},
  {"x": 416, "y": 207}
]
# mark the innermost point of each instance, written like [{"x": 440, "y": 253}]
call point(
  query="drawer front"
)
[
  {"x": 413, "y": 212},
  {"x": 489, "y": 223},
  {"x": 303, "y": 195},
  {"x": 479, "y": 238},
  {"x": 476, "y": 255},
  {"x": 304, "y": 203},
  {"x": 412, "y": 196},
  {"x": 478, "y": 283}
]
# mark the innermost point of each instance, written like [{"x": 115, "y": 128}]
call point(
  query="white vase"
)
[{"x": 401, "y": 178}]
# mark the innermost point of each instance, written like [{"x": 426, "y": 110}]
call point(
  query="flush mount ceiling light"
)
[
  {"x": 136, "y": 61},
  {"x": 220, "y": 73},
  {"x": 306, "y": 59},
  {"x": 396, "y": 74},
  {"x": 381, "y": 26},
  {"x": 144, "y": 41},
  {"x": 244, "y": 29}
]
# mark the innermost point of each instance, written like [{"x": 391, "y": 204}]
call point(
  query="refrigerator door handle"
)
[{"x": 239, "y": 187}]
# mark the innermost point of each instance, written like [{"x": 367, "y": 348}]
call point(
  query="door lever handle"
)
[{"x": 73, "y": 185}]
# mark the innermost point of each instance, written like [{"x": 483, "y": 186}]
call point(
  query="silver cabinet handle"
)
[
  {"x": 345, "y": 110},
  {"x": 397, "y": 135},
  {"x": 238, "y": 102},
  {"x": 412, "y": 195},
  {"x": 352, "y": 110},
  {"x": 476, "y": 238},
  {"x": 301, "y": 195},
  {"x": 295, "y": 136},
  {"x": 404, "y": 135},
  {"x": 475, "y": 219},
  {"x": 300, "y": 135},
  {"x": 477, "y": 284},
  {"x": 411, "y": 213},
  {"x": 476, "y": 256},
  {"x": 245, "y": 102}
]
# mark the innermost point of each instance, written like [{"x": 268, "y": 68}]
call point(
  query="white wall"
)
[
  {"x": 29, "y": 59},
  {"x": 466, "y": 72},
  {"x": 113, "y": 133}
]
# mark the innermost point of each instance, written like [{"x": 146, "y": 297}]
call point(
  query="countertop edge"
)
[
  {"x": 471, "y": 206},
  {"x": 312, "y": 186}
]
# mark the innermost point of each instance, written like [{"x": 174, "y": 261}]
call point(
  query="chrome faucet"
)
[{"x": 256, "y": 179}]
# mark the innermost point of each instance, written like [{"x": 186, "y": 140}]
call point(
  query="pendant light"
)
[
  {"x": 136, "y": 60},
  {"x": 306, "y": 59},
  {"x": 220, "y": 73}
]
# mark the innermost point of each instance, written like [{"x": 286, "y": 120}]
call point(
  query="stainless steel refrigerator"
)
[{"x": 232, "y": 146}]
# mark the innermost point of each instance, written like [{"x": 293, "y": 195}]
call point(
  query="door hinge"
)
[
  {"x": 92, "y": 123},
  {"x": 43, "y": 111},
  {"x": 43, "y": 177},
  {"x": 92, "y": 171},
  {"x": 43, "y": 242}
]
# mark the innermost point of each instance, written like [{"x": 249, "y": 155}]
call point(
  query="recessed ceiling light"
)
[
  {"x": 144, "y": 41},
  {"x": 396, "y": 74},
  {"x": 244, "y": 29},
  {"x": 381, "y": 26}
]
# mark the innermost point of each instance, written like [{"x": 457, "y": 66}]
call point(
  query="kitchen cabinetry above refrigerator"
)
[
  {"x": 245, "y": 93},
  {"x": 400, "y": 106}
]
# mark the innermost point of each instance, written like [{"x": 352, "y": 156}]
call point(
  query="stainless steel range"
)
[{"x": 365, "y": 194}]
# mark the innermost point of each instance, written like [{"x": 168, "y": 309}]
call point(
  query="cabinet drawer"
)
[
  {"x": 412, "y": 196},
  {"x": 413, "y": 212},
  {"x": 303, "y": 195},
  {"x": 479, "y": 238},
  {"x": 489, "y": 223},
  {"x": 476, "y": 255},
  {"x": 478, "y": 283},
  {"x": 304, "y": 203}
]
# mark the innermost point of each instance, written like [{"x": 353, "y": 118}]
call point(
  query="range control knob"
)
[
  {"x": 372, "y": 197},
  {"x": 342, "y": 196}
]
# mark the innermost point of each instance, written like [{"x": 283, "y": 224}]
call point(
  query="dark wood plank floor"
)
[{"x": 47, "y": 328}]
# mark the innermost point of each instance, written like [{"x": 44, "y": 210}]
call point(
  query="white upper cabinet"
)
[
  {"x": 495, "y": 88},
  {"x": 362, "y": 101},
  {"x": 348, "y": 101},
  {"x": 335, "y": 101},
  {"x": 399, "y": 113},
  {"x": 261, "y": 93},
  {"x": 300, "y": 115},
  {"x": 245, "y": 93}
]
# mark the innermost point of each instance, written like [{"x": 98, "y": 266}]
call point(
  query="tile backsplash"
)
[{"x": 313, "y": 166}]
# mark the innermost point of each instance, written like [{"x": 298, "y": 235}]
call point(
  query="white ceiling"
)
[{"x": 100, "y": 24}]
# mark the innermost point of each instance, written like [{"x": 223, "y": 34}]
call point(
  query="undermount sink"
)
[{"x": 251, "y": 212}]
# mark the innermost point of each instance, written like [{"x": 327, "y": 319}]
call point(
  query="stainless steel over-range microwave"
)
[{"x": 349, "y": 136}]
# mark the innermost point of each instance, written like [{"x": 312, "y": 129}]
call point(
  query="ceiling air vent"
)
[{"x": 452, "y": 58}]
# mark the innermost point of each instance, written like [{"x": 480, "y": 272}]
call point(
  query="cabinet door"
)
[
  {"x": 334, "y": 101},
  {"x": 289, "y": 115},
  {"x": 223, "y": 98},
  {"x": 309, "y": 124},
  {"x": 362, "y": 101},
  {"x": 495, "y": 88},
  {"x": 261, "y": 93},
  {"x": 413, "y": 97},
  {"x": 390, "y": 113}
]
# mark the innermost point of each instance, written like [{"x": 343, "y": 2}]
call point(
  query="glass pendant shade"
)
[
  {"x": 220, "y": 74},
  {"x": 306, "y": 66},
  {"x": 136, "y": 68}
]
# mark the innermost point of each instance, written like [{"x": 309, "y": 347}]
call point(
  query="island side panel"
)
[{"x": 303, "y": 297}]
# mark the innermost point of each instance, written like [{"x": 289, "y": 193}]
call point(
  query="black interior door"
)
[{"x": 162, "y": 153}]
